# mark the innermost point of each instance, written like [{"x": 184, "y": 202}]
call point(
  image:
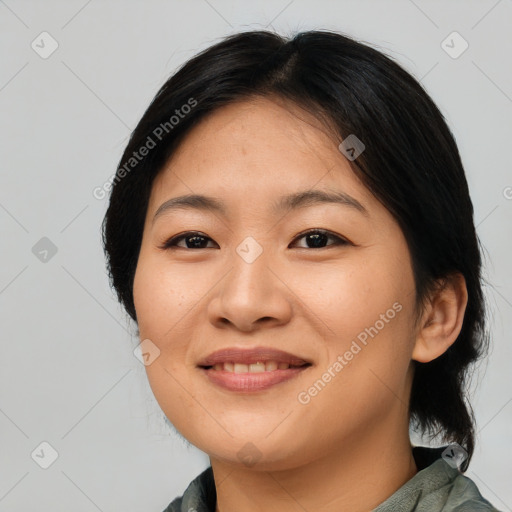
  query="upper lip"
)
[{"x": 251, "y": 355}]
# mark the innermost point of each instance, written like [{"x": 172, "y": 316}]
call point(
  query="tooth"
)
[
  {"x": 218, "y": 366},
  {"x": 229, "y": 367},
  {"x": 241, "y": 368},
  {"x": 257, "y": 367},
  {"x": 270, "y": 366},
  {"x": 283, "y": 366}
]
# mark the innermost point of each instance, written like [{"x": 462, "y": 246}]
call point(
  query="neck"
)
[{"x": 358, "y": 477}]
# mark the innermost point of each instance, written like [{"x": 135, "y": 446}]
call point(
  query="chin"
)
[{"x": 248, "y": 452}]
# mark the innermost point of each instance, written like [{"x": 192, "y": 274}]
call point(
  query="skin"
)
[{"x": 348, "y": 448}]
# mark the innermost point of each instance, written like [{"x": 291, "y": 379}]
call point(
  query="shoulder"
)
[
  {"x": 437, "y": 487},
  {"x": 199, "y": 496},
  {"x": 465, "y": 496}
]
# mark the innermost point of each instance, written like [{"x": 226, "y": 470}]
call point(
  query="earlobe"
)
[{"x": 442, "y": 319}]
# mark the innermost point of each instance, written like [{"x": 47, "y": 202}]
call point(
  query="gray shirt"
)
[{"x": 437, "y": 487}]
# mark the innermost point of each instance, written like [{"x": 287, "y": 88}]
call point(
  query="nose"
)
[{"x": 250, "y": 296}]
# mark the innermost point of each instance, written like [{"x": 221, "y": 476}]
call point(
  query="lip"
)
[
  {"x": 251, "y": 355},
  {"x": 249, "y": 382}
]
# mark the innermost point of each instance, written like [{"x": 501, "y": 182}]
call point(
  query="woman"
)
[{"x": 291, "y": 230}]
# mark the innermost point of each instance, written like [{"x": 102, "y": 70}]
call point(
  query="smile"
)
[
  {"x": 247, "y": 370},
  {"x": 250, "y": 378},
  {"x": 258, "y": 367}
]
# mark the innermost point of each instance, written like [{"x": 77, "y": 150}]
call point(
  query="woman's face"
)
[{"x": 253, "y": 278}]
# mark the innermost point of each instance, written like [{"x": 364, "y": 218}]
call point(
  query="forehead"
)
[
  {"x": 267, "y": 125},
  {"x": 258, "y": 145}
]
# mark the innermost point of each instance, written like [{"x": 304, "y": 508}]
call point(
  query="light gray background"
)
[{"x": 68, "y": 374}]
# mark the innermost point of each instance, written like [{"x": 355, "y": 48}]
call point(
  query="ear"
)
[{"x": 442, "y": 318}]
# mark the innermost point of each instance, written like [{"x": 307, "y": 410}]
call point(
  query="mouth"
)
[
  {"x": 257, "y": 367},
  {"x": 250, "y": 370}
]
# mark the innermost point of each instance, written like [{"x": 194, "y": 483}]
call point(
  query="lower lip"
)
[{"x": 250, "y": 382}]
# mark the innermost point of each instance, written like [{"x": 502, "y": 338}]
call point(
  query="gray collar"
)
[{"x": 436, "y": 487}]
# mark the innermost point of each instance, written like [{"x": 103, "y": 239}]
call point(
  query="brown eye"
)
[
  {"x": 193, "y": 240},
  {"x": 317, "y": 238}
]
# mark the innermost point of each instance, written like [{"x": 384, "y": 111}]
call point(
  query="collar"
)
[{"x": 434, "y": 476}]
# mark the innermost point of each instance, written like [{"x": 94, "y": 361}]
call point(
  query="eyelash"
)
[{"x": 173, "y": 241}]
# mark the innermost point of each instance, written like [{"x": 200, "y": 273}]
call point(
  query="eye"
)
[
  {"x": 317, "y": 238},
  {"x": 193, "y": 240}
]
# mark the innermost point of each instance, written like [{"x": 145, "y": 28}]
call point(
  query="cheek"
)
[
  {"x": 348, "y": 296},
  {"x": 162, "y": 304},
  {"x": 365, "y": 375},
  {"x": 162, "y": 296},
  {"x": 365, "y": 308}
]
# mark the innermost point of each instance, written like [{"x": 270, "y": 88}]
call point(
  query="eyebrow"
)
[{"x": 293, "y": 201}]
